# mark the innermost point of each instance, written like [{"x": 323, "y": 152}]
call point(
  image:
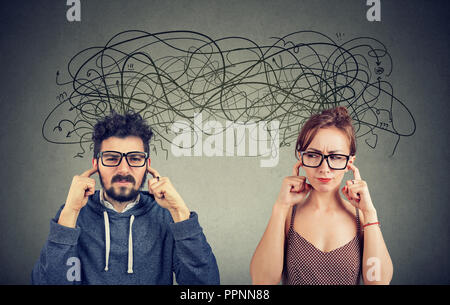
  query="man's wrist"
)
[
  {"x": 179, "y": 213},
  {"x": 68, "y": 217}
]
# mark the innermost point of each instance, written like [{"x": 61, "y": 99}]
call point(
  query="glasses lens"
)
[
  {"x": 111, "y": 158},
  {"x": 337, "y": 161},
  {"x": 136, "y": 159},
  {"x": 311, "y": 159}
]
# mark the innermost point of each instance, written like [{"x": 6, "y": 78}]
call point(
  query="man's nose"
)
[{"x": 123, "y": 167}]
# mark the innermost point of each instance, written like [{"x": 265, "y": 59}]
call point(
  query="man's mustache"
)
[{"x": 127, "y": 178}]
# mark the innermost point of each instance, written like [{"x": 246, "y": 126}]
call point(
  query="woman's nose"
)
[{"x": 324, "y": 166}]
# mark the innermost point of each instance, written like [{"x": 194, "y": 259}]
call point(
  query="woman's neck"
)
[{"x": 325, "y": 201}]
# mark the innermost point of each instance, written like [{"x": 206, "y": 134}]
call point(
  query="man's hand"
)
[
  {"x": 166, "y": 195},
  {"x": 81, "y": 188}
]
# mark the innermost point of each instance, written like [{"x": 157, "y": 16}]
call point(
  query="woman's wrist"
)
[
  {"x": 370, "y": 216},
  {"x": 280, "y": 208}
]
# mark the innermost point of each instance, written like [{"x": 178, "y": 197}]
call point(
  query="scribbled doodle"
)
[{"x": 171, "y": 76}]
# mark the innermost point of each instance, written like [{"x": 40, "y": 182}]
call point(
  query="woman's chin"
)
[{"x": 323, "y": 188}]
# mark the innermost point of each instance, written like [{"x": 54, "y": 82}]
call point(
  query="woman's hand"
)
[
  {"x": 357, "y": 192},
  {"x": 293, "y": 188}
]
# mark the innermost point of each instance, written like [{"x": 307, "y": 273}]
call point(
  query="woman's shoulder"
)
[
  {"x": 354, "y": 211},
  {"x": 287, "y": 224},
  {"x": 298, "y": 207}
]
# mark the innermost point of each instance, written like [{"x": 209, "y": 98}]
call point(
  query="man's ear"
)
[{"x": 94, "y": 162}]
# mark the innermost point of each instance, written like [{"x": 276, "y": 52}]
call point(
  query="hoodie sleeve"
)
[
  {"x": 193, "y": 260},
  {"x": 58, "y": 263}
]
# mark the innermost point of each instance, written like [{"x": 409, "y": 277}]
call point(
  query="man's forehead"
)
[{"x": 123, "y": 144}]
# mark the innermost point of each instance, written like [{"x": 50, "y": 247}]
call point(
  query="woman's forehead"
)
[{"x": 330, "y": 140}]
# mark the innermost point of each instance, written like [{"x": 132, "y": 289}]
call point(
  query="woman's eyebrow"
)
[{"x": 330, "y": 152}]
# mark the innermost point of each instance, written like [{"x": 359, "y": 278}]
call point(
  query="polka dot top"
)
[{"x": 304, "y": 264}]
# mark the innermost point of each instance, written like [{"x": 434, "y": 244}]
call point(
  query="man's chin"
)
[{"x": 122, "y": 195}]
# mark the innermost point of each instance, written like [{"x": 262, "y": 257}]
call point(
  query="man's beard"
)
[{"x": 124, "y": 195}]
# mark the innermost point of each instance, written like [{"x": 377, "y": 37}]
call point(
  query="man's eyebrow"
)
[{"x": 330, "y": 152}]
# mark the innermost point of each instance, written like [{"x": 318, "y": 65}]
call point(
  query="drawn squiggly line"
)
[{"x": 168, "y": 76}]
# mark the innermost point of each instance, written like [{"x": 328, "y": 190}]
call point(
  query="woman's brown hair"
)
[{"x": 336, "y": 117}]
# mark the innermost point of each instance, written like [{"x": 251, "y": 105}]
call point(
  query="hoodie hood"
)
[{"x": 146, "y": 202}]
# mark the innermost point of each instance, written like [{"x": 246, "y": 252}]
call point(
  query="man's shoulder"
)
[
  {"x": 147, "y": 200},
  {"x": 152, "y": 208}
]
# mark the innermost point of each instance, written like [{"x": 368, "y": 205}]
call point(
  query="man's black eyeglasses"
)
[{"x": 112, "y": 158}]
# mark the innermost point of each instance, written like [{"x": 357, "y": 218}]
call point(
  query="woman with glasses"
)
[{"x": 315, "y": 236}]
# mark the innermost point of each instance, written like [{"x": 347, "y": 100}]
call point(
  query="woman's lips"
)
[{"x": 325, "y": 180}]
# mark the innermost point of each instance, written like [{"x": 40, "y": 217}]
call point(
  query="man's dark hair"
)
[{"x": 121, "y": 126}]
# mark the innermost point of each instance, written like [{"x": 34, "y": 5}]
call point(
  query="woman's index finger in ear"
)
[{"x": 296, "y": 168}]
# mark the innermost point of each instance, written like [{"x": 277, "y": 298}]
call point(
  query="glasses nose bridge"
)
[
  {"x": 325, "y": 158},
  {"x": 123, "y": 162}
]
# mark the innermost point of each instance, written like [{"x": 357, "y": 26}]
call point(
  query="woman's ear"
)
[{"x": 350, "y": 160}]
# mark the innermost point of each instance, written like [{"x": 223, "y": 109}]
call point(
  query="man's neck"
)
[{"x": 118, "y": 206}]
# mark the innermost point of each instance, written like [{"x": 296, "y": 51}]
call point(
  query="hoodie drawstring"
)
[
  {"x": 108, "y": 243},
  {"x": 130, "y": 246},
  {"x": 107, "y": 239}
]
